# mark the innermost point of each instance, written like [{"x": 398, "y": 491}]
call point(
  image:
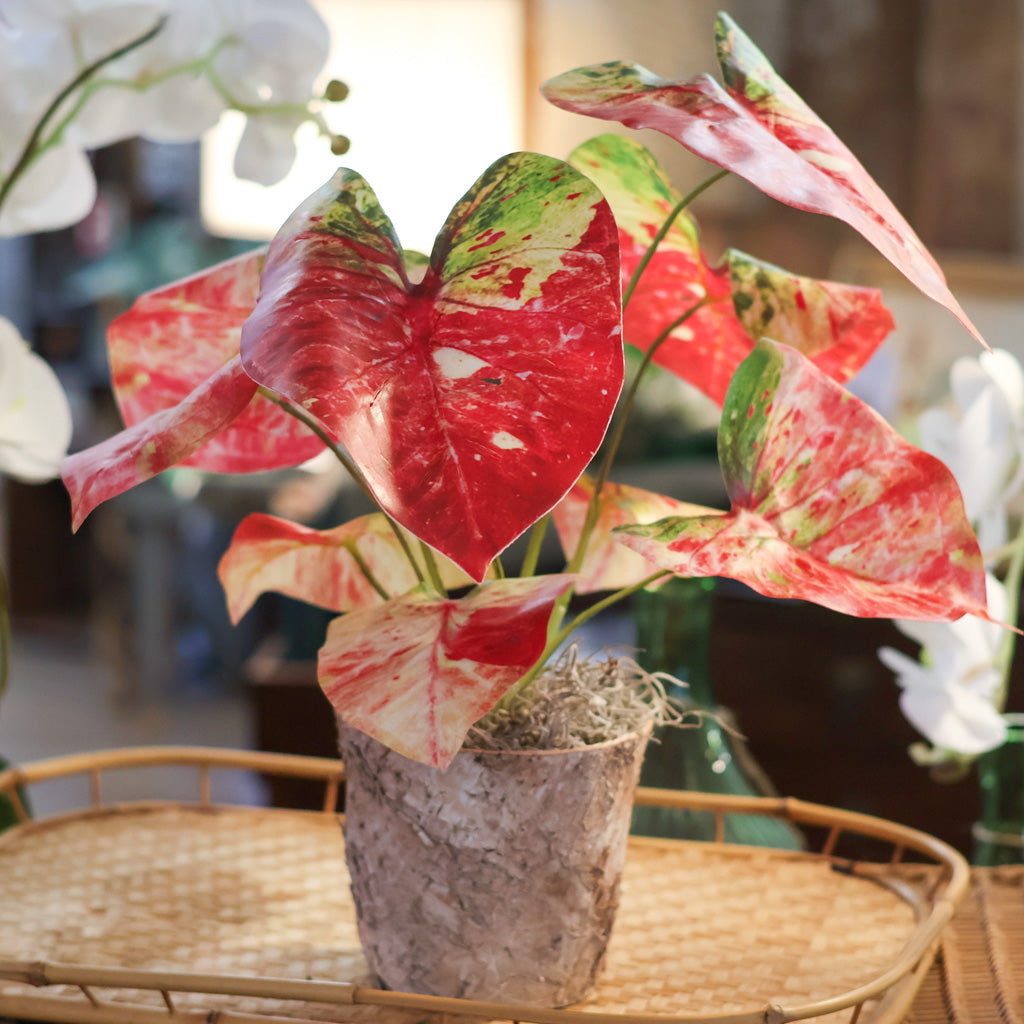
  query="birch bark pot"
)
[{"x": 496, "y": 879}]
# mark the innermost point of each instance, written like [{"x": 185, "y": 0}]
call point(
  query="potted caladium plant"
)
[{"x": 468, "y": 393}]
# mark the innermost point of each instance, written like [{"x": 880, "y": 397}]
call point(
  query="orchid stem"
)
[
  {"x": 32, "y": 145},
  {"x": 342, "y": 456}
]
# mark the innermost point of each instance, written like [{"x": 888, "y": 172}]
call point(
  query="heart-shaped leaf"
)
[
  {"x": 829, "y": 504},
  {"x": 609, "y": 565},
  {"x": 417, "y": 672},
  {"x": 163, "y": 440},
  {"x": 471, "y": 401},
  {"x": 837, "y": 325},
  {"x": 321, "y": 567},
  {"x": 174, "y": 339},
  {"x": 759, "y": 128}
]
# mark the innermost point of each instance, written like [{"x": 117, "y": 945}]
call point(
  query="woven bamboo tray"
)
[{"x": 167, "y": 911}]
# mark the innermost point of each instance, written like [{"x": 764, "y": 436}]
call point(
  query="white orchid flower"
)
[
  {"x": 950, "y": 695},
  {"x": 35, "y": 419},
  {"x": 259, "y": 56},
  {"x": 984, "y": 446}
]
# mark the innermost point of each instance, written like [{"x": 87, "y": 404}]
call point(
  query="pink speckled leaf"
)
[
  {"x": 174, "y": 339},
  {"x": 707, "y": 348},
  {"x": 321, "y": 567},
  {"x": 165, "y": 439},
  {"x": 417, "y": 672},
  {"x": 472, "y": 400},
  {"x": 829, "y": 504},
  {"x": 759, "y": 128},
  {"x": 839, "y": 326},
  {"x": 609, "y": 565}
]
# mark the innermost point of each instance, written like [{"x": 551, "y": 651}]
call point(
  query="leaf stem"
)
[
  {"x": 32, "y": 145},
  {"x": 532, "y": 556},
  {"x": 663, "y": 231},
  {"x": 368, "y": 573},
  {"x": 433, "y": 573},
  {"x": 342, "y": 456},
  {"x": 625, "y": 408},
  {"x": 562, "y": 634}
]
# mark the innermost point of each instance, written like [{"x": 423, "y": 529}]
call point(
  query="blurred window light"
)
[{"x": 436, "y": 95}]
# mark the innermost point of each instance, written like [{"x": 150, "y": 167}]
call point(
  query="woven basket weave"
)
[{"x": 254, "y": 904}]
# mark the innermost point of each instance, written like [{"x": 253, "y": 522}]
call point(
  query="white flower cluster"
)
[
  {"x": 205, "y": 56},
  {"x": 954, "y": 695}
]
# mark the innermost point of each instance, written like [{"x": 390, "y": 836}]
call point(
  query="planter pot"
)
[{"x": 496, "y": 879}]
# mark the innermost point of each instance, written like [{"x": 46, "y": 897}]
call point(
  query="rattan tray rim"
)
[{"x": 893, "y": 990}]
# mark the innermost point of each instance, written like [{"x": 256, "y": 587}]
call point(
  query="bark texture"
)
[{"x": 496, "y": 879}]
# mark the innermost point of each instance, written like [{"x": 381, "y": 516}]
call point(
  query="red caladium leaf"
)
[
  {"x": 707, "y": 348},
  {"x": 470, "y": 401},
  {"x": 321, "y": 567},
  {"x": 174, "y": 339},
  {"x": 829, "y": 504},
  {"x": 609, "y": 565},
  {"x": 839, "y": 326},
  {"x": 164, "y": 439},
  {"x": 759, "y": 128},
  {"x": 417, "y": 672}
]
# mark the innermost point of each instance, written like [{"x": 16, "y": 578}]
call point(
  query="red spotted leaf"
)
[
  {"x": 759, "y": 128},
  {"x": 321, "y": 567},
  {"x": 829, "y": 504},
  {"x": 417, "y": 672},
  {"x": 163, "y": 440},
  {"x": 609, "y": 565},
  {"x": 839, "y": 326},
  {"x": 174, "y": 339},
  {"x": 472, "y": 400}
]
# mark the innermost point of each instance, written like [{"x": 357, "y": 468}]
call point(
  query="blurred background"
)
[{"x": 121, "y": 635}]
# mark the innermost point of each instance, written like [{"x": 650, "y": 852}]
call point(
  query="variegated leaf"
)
[
  {"x": 829, "y": 504},
  {"x": 607, "y": 564},
  {"x": 470, "y": 401},
  {"x": 175, "y": 338},
  {"x": 321, "y": 567},
  {"x": 418, "y": 671},
  {"x": 163, "y": 440},
  {"x": 757, "y": 127},
  {"x": 839, "y": 326},
  {"x": 707, "y": 348}
]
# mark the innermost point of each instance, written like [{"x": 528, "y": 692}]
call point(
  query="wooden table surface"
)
[{"x": 978, "y": 974}]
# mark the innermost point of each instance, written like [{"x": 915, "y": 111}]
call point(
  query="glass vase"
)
[
  {"x": 673, "y": 626},
  {"x": 999, "y": 831}
]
